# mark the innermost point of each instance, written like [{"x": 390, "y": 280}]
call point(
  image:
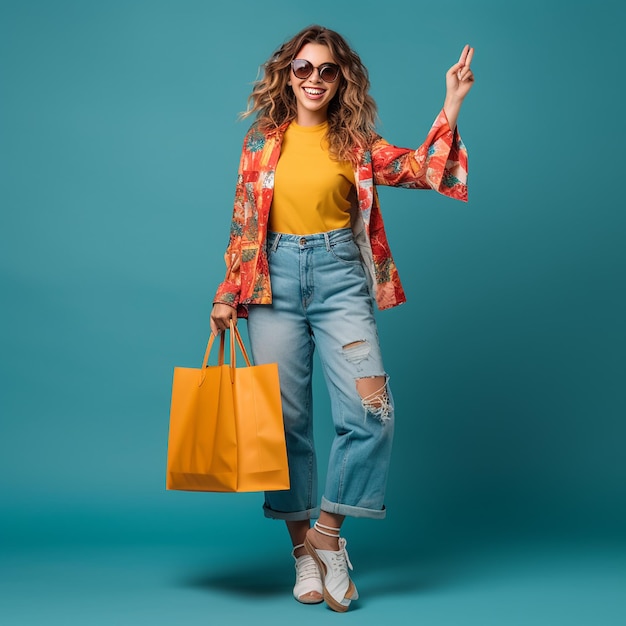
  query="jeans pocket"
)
[{"x": 346, "y": 251}]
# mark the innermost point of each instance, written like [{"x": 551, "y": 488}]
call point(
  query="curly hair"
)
[{"x": 352, "y": 111}]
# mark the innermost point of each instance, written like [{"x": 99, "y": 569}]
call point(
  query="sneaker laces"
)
[
  {"x": 306, "y": 568},
  {"x": 340, "y": 561}
]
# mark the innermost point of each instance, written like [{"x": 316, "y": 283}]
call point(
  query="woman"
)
[{"x": 307, "y": 257}]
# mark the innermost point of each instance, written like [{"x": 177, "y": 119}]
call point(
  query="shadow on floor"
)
[{"x": 253, "y": 576}]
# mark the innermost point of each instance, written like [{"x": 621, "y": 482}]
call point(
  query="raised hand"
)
[{"x": 459, "y": 80}]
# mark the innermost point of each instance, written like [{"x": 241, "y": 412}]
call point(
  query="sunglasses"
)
[{"x": 302, "y": 69}]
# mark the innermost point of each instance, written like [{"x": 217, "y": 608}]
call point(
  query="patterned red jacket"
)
[{"x": 440, "y": 163}]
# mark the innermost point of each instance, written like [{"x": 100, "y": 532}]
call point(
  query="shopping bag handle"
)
[{"x": 234, "y": 335}]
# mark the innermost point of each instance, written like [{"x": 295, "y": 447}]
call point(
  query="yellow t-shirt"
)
[{"x": 311, "y": 189}]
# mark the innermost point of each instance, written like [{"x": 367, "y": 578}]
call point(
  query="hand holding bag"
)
[{"x": 226, "y": 426}]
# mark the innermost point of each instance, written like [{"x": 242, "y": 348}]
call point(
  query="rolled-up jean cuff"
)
[
  {"x": 352, "y": 511},
  {"x": 293, "y": 516}
]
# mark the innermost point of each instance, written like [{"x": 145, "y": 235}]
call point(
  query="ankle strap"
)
[
  {"x": 322, "y": 529},
  {"x": 293, "y": 551}
]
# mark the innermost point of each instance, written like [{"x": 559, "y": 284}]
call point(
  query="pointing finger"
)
[{"x": 464, "y": 54}]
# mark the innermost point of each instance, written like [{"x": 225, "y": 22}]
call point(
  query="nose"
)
[{"x": 315, "y": 76}]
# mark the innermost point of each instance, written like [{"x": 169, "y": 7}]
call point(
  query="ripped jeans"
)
[{"x": 321, "y": 300}]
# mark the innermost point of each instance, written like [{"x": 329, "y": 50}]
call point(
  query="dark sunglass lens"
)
[
  {"x": 329, "y": 73},
  {"x": 302, "y": 68}
]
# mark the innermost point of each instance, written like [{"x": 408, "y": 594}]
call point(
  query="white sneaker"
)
[
  {"x": 339, "y": 590},
  {"x": 308, "y": 579}
]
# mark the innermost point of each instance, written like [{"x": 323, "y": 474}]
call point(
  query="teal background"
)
[{"x": 119, "y": 144}]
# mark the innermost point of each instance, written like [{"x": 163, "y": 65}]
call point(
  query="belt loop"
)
[
  {"x": 327, "y": 240},
  {"x": 276, "y": 240}
]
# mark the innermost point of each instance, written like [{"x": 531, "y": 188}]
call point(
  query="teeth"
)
[{"x": 314, "y": 92}]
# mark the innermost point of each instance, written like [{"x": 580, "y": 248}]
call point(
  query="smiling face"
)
[{"x": 313, "y": 95}]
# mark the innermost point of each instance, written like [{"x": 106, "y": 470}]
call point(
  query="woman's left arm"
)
[
  {"x": 440, "y": 163},
  {"x": 459, "y": 80}
]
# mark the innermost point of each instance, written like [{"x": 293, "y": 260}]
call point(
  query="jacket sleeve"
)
[
  {"x": 440, "y": 163},
  {"x": 229, "y": 290}
]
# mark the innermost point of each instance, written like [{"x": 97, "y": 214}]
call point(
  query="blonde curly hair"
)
[{"x": 351, "y": 113}]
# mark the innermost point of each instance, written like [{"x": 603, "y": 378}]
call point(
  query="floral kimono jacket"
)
[{"x": 440, "y": 163}]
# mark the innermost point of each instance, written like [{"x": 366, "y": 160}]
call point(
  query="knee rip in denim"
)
[
  {"x": 374, "y": 397},
  {"x": 372, "y": 389}
]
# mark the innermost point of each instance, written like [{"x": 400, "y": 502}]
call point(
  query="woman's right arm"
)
[
  {"x": 226, "y": 298},
  {"x": 227, "y": 295}
]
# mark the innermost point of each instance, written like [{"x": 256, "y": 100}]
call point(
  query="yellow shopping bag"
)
[{"x": 226, "y": 426}]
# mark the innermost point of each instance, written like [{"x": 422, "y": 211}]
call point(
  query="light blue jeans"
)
[{"x": 321, "y": 300}]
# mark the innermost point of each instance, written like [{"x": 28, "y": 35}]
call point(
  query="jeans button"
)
[{"x": 302, "y": 240}]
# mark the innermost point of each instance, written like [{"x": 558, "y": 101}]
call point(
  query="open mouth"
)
[{"x": 314, "y": 92}]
